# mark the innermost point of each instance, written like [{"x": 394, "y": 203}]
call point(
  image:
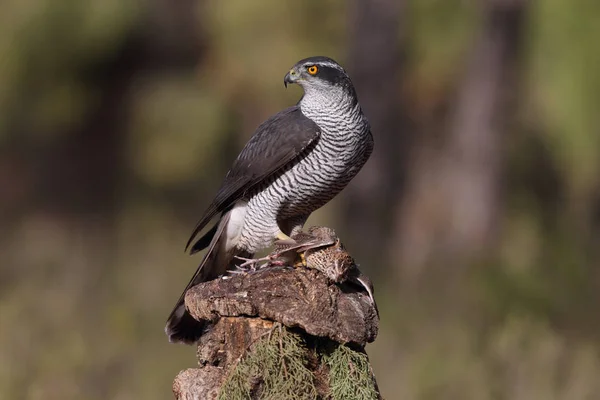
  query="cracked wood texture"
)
[
  {"x": 243, "y": 308},
  {"x": 296, "y": 297}
]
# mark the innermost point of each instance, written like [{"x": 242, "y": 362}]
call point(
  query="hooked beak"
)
[{"x": 290, "y": 77}]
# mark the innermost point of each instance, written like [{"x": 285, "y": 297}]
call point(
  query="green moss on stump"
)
[
  {"x": 350, "y": 374},
  {"x": 280, "y": 366}
]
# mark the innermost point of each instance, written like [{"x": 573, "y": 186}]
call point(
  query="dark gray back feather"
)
[{"x": 277, "y": 144}]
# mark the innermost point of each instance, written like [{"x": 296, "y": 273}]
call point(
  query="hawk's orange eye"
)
[{"x": 312, "y": 69}]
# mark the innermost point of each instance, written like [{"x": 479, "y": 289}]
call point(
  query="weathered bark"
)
[
  {"x": 295, "y": 297},
  {"x": 299, "y": 319},
  {"x": 218, "y": 352}
]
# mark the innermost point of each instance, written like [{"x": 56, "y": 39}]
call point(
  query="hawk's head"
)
[{"x": 319, "y": 73}]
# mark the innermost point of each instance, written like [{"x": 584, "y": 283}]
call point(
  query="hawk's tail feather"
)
[
  {"x": 181, "y": 326},
  {"x": 204, "y": 241}
]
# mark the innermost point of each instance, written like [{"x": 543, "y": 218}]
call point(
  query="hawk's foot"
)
[
  {"x": 253, "y": 264},
  {"x": 300, "y": 260}
]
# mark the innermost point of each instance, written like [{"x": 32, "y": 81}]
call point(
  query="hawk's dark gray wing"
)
[{"x": 275, "y": 146}]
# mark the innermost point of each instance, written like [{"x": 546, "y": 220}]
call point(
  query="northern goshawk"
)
[{"x": 296, "y": 161}]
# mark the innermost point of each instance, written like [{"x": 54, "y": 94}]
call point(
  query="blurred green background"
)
[{"x": 478, "y": 215}]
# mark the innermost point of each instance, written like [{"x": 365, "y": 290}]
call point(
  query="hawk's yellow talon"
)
[{"x": 301, "y": 262}]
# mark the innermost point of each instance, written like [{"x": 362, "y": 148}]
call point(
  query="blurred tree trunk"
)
[
  {"x": 451, "y": 210},
  {"x": 80, "y": 176},
  {"x": 376, "y": 63}
]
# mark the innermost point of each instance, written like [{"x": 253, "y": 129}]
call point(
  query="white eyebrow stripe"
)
[{"x": 325, "y": 64}]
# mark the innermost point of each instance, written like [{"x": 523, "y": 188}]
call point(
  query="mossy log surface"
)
[{"x": 281, "y": 333}]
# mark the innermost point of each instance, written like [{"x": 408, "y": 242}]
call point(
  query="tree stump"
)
[{"x": 281, "y": 333}]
